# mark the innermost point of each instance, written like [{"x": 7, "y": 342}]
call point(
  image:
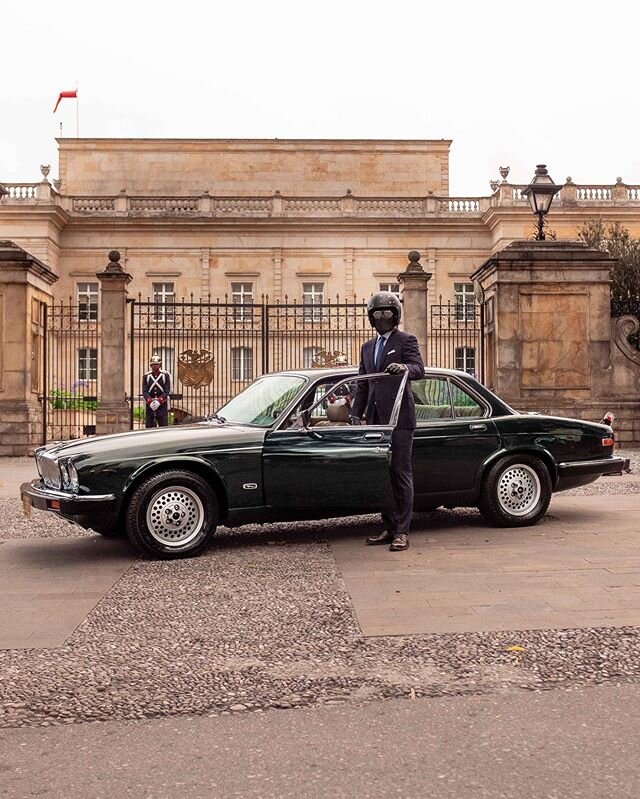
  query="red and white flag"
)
[{"x": 73, "y": 93}]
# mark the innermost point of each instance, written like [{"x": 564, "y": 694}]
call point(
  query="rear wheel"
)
[
  {"x": 515, "y": 492},
  {"x": 173, "y": 514}
]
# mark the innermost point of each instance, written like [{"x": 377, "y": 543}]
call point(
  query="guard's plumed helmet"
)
[
  {"x": 155, "y": 359},
  {"x": 384, "y": 301}
]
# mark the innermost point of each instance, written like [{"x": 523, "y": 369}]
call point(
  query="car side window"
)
[
  {"x": 464, "y": 405},
  {"x": 432, "y": 399},
  {"x": 342, "y": 398}
]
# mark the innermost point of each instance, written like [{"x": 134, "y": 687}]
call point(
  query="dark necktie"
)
[{"x": 377, "y": 360}]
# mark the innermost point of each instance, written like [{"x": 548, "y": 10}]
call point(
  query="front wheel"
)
[
  {"x": 515, "y": 492},
  {"x": 173, "y": 514}
]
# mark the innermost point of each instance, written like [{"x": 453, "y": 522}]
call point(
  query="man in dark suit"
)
[{"x": 394, "y": 352}]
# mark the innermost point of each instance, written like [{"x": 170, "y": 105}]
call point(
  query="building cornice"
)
[{"x": 252, "y": 145}]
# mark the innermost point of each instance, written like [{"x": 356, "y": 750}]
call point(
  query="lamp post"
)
[{"x": 540, "y": 193}]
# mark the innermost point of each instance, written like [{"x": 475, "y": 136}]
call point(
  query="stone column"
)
[
  {"x": 547, "y": 326},
  {"x": 25, "y": 284},
  {"x": 414, "y": 300},
  {"x": 113, "y": 414}
]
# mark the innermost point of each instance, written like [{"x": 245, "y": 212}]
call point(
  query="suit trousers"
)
[
  {"x": 159, "y": 418},
  {"x": 398, "y": 519}
]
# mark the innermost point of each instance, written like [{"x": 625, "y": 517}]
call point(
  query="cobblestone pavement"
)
[{"x": 263, "y": 621}]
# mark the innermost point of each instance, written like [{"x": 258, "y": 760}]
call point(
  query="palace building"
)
[{"x": 257, "y": 223}]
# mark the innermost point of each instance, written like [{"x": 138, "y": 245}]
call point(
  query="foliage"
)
[
  {"x": 72, "y": 399},
  {"x": 616, "y": 240}
]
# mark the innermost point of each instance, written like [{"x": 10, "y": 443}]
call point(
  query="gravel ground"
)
[{"x": 263, "y": 621}]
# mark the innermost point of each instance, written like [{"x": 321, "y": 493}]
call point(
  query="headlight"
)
[
  {"x": 50, "y": 471},
  {"x": 70, "y": 480}
]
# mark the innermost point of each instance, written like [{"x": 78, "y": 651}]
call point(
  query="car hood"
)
[{"x": 198, "y": 437}]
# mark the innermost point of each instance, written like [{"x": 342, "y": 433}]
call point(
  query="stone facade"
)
[
  {"x": 322, "y": 218},
  {"x": 210, "y": 217}
]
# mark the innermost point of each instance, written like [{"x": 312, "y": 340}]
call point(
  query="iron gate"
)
[
  {"x": 212, "y": 350},
  {"x": 456, "y": 337},
  {"x": 70, "y": 370}
]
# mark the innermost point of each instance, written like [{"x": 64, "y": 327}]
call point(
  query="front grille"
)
[{"x": 50, "y": 472}]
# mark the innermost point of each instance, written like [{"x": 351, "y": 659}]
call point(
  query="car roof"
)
[{"x": 334, "y": 370}]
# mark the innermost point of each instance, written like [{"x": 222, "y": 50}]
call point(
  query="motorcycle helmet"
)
[{"x": 384, "y": 301}]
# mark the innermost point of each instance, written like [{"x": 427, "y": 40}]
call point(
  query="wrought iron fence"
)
[
  {"x": 455, "y": 338},
  {"x": 212, "y": 350},
  {"x": 71, "y": 370}
]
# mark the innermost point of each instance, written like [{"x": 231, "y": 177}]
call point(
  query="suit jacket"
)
[
  {"x": 375, "y": 398},
  {"x": 156, "y": 388}
]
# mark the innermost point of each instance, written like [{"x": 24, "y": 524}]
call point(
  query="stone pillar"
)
[
  {"x": 547, "y": 326},
  {"x": 113, "y": 414},
  {"x": 414, "y": 300},
  {"x": 24, "y": 291}
]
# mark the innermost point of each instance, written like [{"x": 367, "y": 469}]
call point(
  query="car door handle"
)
[
  {"x": 373, "y": 436},
  {"x": 478, "y": 427}
]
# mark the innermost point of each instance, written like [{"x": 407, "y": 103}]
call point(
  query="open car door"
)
[{"x": 330, "y": 467}]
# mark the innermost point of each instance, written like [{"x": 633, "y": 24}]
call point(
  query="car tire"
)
[
  {"x": 515, "y": 492},
  {"x": 173, "y": 514}
]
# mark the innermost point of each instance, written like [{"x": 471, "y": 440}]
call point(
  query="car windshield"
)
[{"x": 263, "y": 401}]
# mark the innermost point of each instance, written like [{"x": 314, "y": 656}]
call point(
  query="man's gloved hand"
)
[
  {"x": 154, "y": 405},
  {"x": 355, "y": 420},
  {"x": 396, "y": 368}
]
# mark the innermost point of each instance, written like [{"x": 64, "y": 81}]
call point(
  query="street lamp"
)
[{"x": 540, "y": 193}]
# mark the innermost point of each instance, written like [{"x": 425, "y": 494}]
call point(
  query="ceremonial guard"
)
[{"x": 156, "y": 388}]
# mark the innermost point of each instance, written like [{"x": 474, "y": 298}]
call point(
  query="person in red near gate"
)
[
  {"x": 394, "y": 352},
  {"x": 156, "y": 387}
]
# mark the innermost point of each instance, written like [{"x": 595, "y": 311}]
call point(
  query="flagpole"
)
[{"x": 77, "y": 114}]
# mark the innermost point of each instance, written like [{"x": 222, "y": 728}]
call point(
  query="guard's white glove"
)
[{"x": 154, "y": 405}]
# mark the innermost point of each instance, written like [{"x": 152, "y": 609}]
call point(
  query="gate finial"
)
[{"x": 114, "y": 262}]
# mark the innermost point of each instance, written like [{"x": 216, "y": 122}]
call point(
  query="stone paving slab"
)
[
  {"x": 13, "y": 472},
  {"x": 580, "y": 567},
  {"x": 48, "y": 586}
]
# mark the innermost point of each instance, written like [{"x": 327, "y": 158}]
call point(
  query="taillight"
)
[{"x": 607, "y": 442}]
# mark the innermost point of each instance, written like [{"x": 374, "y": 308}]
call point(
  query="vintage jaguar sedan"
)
[{"x": 283, "y": 449}]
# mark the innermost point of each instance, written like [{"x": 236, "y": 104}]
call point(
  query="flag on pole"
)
[{"x": 73, "y": 93}]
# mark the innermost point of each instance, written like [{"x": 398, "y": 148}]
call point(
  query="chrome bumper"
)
[
  {"x": 36, "y": 495},
  {"x": 613, "y": 465}
]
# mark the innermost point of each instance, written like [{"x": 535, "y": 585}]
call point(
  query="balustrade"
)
[
  {"x": 460, "y": 205},
  {"x": 21, "y": 191},
  {"x": 591, "y": 193},
  {"x": 364, "y": 207},
  {"x": 84, "y": 204},
  {"x": 167, "y": 204}
]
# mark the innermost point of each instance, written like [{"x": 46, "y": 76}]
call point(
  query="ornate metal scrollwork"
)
[
  {"x": 627, "y": 326},
  {"x": 195, "y": 368},
  {"x": 326, "y": 359}
]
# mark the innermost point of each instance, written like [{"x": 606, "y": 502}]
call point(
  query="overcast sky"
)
[{"x": 512, "y": 83}]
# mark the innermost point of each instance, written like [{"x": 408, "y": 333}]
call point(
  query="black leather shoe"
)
[
  {"x": 400, "y": 542},
  {"x": 383, "y": 538}
]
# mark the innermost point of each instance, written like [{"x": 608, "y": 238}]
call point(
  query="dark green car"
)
[{"x": 283, "y": 449}]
